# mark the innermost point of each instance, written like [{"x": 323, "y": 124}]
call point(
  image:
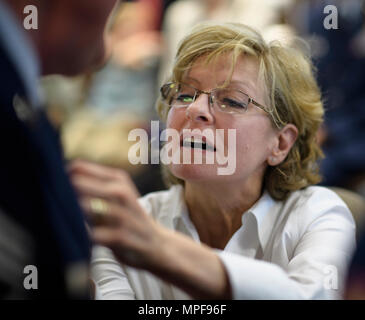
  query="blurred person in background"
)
[
  {"x": 263, "y": 232},
  {"x": 355, "y": 286},
  {"x": 134, "y": 44},
  {"x": 356, "y": 279},
  {"x": 115, "y": 99},
  {"x": 182, "y": 15},
  {"x": 339, "y": 55},
  {"x": 41, "y": 225}
]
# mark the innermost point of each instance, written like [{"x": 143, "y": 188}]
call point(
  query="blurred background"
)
[{"x": 95, "y": 112}]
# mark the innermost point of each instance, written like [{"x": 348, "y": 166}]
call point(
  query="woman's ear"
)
[{"x": 285, "y": 140}]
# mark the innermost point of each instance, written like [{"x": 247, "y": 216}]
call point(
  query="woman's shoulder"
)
[
  {"x": 316, "y": 196},
  {"x": 316, "y": 203},
  {"x": 315, "y": 191}
]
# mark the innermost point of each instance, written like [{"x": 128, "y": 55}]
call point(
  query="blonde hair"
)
[{"x": 293, "y": 96}]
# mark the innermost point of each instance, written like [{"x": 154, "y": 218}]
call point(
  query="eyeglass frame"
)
[{"x": 198, "y": 92}]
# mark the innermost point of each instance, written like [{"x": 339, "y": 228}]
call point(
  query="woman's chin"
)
[{"x": 194, "y": 172}]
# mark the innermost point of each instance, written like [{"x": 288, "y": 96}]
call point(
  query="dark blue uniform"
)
[{"x": 37, "y": 198}]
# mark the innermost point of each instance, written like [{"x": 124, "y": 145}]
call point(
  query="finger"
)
[
  {"x": 107, "y": 218},
  {"x": 105, "y": 236},
  {"x": 104, "y": 173},
  {"x": 82, "y": 167},
  {"x": 111, "y": 190},
  {"x": 115, "y": 215}
]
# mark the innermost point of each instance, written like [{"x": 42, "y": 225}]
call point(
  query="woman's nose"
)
[{"x": 200, "y": 109}]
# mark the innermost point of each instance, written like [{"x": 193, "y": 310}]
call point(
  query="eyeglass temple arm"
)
[{"x": 259, "y": 105}]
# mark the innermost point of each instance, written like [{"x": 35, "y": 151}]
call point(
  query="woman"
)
[{"x": 261, "y": 232}]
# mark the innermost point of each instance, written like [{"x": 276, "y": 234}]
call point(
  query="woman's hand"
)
[
  {"x": 137, "y": 240},
  {"x": 122, "y": 225}
]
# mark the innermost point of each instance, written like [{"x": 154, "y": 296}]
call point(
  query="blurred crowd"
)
[
  {"x": 44, "y": 201},
  {"x": 94, "y": 113}
]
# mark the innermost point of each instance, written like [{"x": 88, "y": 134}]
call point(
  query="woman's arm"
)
[
  {"x": 192, "y": 267},
  {"x": 323, "y": 239},
  {"x": 139, "y": 241},
  {"x": 109, "y": 279}
]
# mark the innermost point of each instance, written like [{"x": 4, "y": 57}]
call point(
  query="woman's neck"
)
[{"x": 216, "y": 211}]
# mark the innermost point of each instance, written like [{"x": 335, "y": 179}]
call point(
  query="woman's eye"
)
[
  {"x": 185, "y": 98},
  {"x": 233, "y": 103}
]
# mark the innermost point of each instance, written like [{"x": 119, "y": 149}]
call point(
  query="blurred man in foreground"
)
[{"x": 44, "y": 247}]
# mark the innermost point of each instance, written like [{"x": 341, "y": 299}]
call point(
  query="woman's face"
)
[{"x": 255, "y": 136}]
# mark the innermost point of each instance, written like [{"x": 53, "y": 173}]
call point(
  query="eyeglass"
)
[{"x": 227, "y": 100}]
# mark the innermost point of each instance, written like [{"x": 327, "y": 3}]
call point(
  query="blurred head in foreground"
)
[{"x": 70, "y": 34}]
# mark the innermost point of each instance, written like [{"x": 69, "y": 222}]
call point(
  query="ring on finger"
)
[{"x": 99, "y": 209}]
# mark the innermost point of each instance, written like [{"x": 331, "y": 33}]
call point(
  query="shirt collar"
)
[
  {"x": 265, "y": 210},
  {"x": 180, "y": 211},
  {"x": 22, "y": 54},
  {"x": 173, "y": 206}
]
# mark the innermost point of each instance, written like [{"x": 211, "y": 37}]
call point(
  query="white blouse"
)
[{"x": 293, "y": 249}]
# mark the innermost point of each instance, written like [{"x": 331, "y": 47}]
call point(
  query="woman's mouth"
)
[{"x": 197, "y": 143}]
